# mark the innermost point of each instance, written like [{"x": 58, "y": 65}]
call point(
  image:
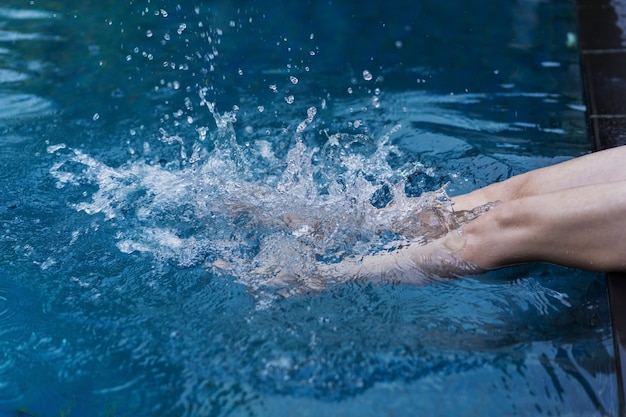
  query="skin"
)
[
  {"x": 581, "y": 227},
  {"x": 571, "y": 214}
]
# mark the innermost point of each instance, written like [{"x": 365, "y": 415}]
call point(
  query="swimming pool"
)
[{"x": 133, "y": 134}]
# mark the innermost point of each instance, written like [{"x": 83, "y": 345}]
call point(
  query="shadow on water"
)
[{"x": 145, "y": 141}]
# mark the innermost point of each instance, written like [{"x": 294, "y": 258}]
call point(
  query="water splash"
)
[{"x": 319, "y": 205}]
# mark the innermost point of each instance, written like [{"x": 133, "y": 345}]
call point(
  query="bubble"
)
[
  {"x": 290, "y": 99},
  {"x": 367, "y": 76},
  {"x": 294, "y": 80}
]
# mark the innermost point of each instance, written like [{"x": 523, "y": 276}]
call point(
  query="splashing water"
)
[{"x": 318, "y": 206}]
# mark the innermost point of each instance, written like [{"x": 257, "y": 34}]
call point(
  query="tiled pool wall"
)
[{"x": 602, "y": 43}]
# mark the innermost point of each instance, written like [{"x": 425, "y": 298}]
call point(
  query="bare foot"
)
[{"x": 414, "y": 263}]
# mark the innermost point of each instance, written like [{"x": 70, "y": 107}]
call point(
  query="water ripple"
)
[
  {"x": 15, "y": 333},
  {"x": 23, "y": 14},
  {"x": 20, "y": 106},
  {"x": 10, "y": 76}
]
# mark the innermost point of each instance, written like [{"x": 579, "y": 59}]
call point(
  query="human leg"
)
[
  {"x": 582, "y": 227},
  {"x": 595, "y": 168}
]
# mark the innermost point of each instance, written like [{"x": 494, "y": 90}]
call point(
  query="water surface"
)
[{"x": 143, "y": 142}]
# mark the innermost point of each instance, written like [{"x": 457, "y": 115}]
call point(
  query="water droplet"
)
[{"x": 95, "y": 117}]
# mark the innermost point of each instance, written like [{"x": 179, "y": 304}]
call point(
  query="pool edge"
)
[{"x": 603, "y": 70}]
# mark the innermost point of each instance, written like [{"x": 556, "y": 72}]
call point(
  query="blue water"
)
[{"x": 161, "y": 159}]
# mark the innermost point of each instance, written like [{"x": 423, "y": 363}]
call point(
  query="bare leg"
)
[
  {"x": 582, "y": 227},
  {"x": 573, "y": 214},
  {"x": 595, "y": 168}
]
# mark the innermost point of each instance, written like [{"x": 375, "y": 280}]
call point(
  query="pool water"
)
[{"x": 162, "y": 160}]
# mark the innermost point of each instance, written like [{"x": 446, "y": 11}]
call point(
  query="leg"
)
[
  {"x": 595, "y": 168},
  {"x": 583, "y": 227}
]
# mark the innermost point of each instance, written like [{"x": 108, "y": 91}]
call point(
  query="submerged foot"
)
[{"x": 414, "y": 263}]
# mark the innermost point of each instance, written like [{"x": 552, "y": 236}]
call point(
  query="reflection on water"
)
[{"x": 157, "y": 156}]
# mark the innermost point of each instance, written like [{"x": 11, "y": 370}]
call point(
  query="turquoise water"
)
[{"x": 161, "y": 159}]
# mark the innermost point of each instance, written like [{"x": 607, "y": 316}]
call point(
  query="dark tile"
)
[
  {"x": 617, "y": 290},
  {"x": 607, "y": 132},
  {"x": 617, "y": 296},
  {"x": 604, "y": 77},
  {"x": 597, "y": 29},
  {"x": 593, "y": 3}
]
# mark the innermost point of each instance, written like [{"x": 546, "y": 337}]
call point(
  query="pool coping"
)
[{"x": 602, "y": 46}]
